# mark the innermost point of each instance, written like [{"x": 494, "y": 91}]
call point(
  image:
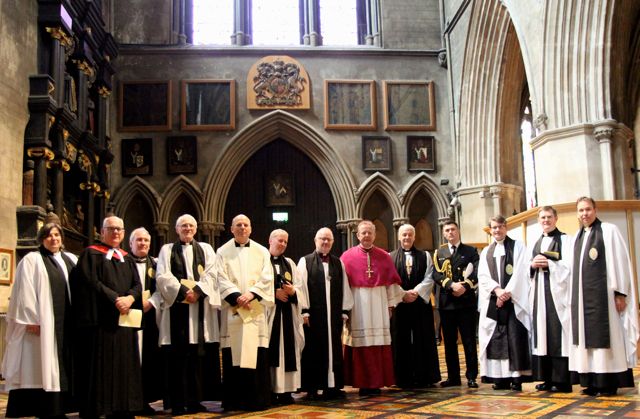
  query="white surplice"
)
[
  {"x": 281, "y": 380},
  {"x": 623, "y": 327},
  {"x": 31, "y": 361},
  {"x": 245, "y": 269},
  {"x": 559, "y": 281},
  {"x": 518, "y": 286},
  {"x": 168, "y": 286}
]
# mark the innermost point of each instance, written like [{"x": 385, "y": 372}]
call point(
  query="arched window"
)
[
  {"x": 283, "y": 22},
  {"x": 527, "y": 132}
]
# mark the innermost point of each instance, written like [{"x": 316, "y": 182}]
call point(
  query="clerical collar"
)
[
  {"x": 365, "y": 249},
  {"x": 137, "y": 259},
  {"x": 185, "y": 243},
  {"x": 324, "y": 258},
  {"x": 587, "y": 229},
  {"x": 241, "y": 245},
  {"x": 500, "y": 241},
  {"x": 274, "y": 257}
]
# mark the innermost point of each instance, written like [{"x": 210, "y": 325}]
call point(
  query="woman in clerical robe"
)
[{"x": 37, "y": 361}]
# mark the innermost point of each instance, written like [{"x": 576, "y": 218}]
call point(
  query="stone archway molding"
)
[
  {"x": 421, "y": 182},
  {"x": 274, "y": 125},
  {"x": 137, "y": 186},
  {"x": 180, "y": 186},
  {"x": 381, "y": 183}
]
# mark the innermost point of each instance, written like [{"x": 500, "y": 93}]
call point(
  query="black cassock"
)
[
  {"x": 108, "y": 378},
  {"x": 153, "y": 370},
  {"x": 413, "y": 338},
  {"x": 315, "y": 355}
]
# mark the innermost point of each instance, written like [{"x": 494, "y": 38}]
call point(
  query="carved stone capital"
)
[
  {"x": 161, "y": 228},
  {"x": 442, "y": 59},
  {"x": 495, "y": 191},
  {"x": 400, "y": 221},
  {"x": 540, "y": 122},
  {"x": 603, "y": 134}
]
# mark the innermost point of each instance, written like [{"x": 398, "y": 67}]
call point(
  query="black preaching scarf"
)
[
  {"x": 60, "y": 302},
  {"x": 180, "y": 312},
  {"x": 418, "y": 268},
  {"x": 554, "y": 253},
  {"x": 594, "y": 289},
  {"x": 283, "y": 314},
  {"x": 493, "y": 312}
]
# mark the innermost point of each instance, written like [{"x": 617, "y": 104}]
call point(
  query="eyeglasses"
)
[{"x": 114, "y": 229}]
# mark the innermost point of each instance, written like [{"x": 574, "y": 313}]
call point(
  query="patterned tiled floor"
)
[{"x": 453, "y": 402}]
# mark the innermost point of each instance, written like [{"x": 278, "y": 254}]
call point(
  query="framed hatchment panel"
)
[
  {"x": 182, "y": 155},
  {"x": 208, "y": 105},
  {"x": 144, "y": 106},
  {"x": 279, "y": 190},
  {"x": 6, "y": 266},
  {"x": 409, "y": 106},
  {"x": 376, "y": 153},
  {"x": 137, "y": 157},
  {"x": 421, "y": 153},
  {"x": 350, "y": 105}
]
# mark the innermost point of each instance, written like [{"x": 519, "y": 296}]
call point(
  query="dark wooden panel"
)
[{"x": 313, "y": 207}]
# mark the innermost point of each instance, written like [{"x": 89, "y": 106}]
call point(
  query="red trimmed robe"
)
[{"x": 376, "y": 286}]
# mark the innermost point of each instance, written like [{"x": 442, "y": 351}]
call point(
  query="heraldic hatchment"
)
[{"x": 277, "y": 82}]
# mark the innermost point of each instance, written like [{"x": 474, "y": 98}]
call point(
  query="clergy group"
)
[{"x": 111, "y": 332}]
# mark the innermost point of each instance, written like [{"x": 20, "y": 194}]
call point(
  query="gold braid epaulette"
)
[{"x": 444, "y": 269}]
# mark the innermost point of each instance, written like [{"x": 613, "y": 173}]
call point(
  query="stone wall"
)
[{"x": 18, "y": 34}]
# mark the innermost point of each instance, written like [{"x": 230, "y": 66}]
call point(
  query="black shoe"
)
[
  {"x": 333, "y": 393},
  {"x": 562, "y": 388},
  {"x": 500, "y": 386},
  {"x": 608, "y": 391},
  {"x": 450, "y": 383},
  {"x": 196, "y": 408},
  {"x": 516, "y": 386},
  {"x": 472, "y": 384},
  {"x": 368, "y": 391},
  {"x": 285, "y": 399},
  {"x": 178, "y": 411},
  {"x": 311, "y": 395},
  {"x": 544, "y": 386},
  {"x": 590, "y": 391}
]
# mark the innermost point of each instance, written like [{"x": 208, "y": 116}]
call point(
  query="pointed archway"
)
[{"x": 279, "y": 125}]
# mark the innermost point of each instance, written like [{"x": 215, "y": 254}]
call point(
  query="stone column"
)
[{"x": 603, "y": 135}]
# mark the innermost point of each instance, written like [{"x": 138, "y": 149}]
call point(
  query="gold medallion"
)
[
  {"x": 287, "y": 276},
  {"x": 509, "y": 269},
  {"x": 151, "y": 273},
  {"x": 252, "y": 282},
  {"x": 200, "y": 269},
  {"x": 593, "y": 253}
]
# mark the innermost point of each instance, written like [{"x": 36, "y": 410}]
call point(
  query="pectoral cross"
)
[{"x": 369, "y": 271}]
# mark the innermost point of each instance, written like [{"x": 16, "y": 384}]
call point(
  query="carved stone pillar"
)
[
  {"x": 396, "y": 226},
  {"x": 603, "y": 135},
  {"x": 162, "y": 231}
]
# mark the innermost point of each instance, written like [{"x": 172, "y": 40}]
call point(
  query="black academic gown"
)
[
  {"x": 153, "y": 378},
  {"x": 315, "y": 355},
  {"x": 107, "y": 360},
  {"x": 413, "y": 338}
]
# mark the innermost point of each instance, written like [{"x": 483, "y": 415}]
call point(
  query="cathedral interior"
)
[{"x": 414, "y": 111}]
